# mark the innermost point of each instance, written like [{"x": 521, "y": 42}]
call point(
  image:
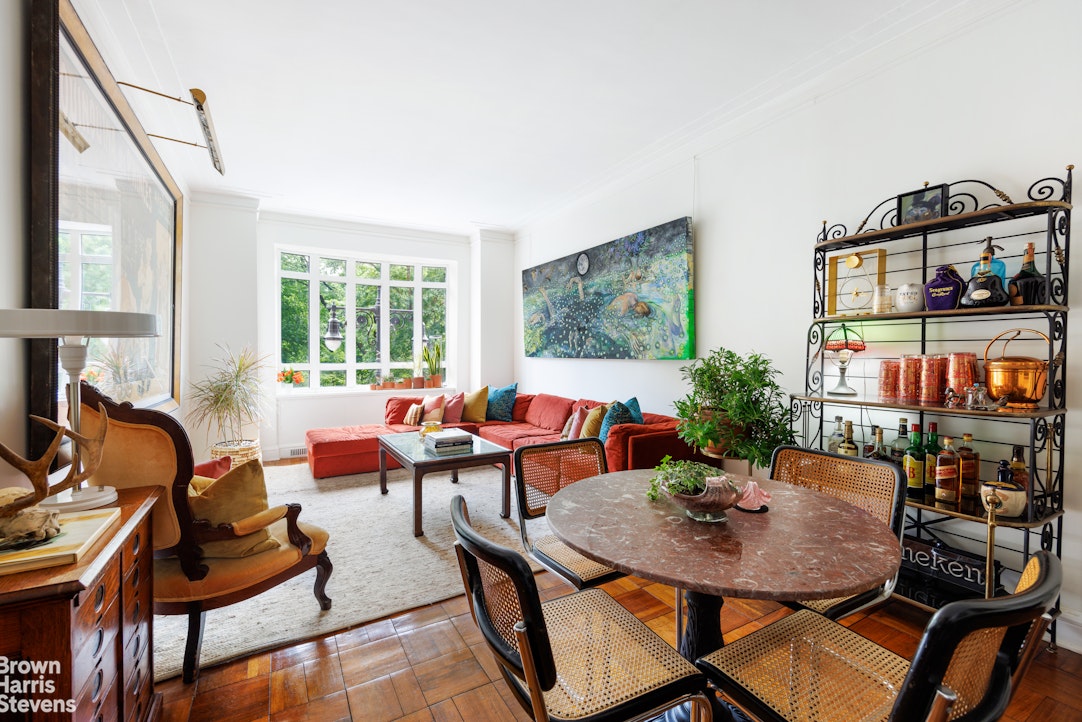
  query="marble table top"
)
[{"x": 809, "y": 545}]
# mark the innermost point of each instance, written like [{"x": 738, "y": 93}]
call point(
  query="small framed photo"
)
[{"x": 925, "y": 204}]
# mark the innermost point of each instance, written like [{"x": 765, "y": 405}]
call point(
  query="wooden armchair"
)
[{"x": 144, "y": 447}]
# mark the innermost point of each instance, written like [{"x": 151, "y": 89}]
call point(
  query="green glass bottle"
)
[
  {"x": 931, "y": 451},
  {"x": 913, "y": 464}
]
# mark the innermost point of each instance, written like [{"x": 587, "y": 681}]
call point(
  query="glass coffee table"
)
[{"x": 408, "y": 449}]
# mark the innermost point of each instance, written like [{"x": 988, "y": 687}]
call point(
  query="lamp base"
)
[
  {"x": 842, "y": 389},
  {"x": 90, "y": 497}
]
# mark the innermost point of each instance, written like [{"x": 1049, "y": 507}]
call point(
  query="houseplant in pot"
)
[
  {"x": 228, "y": 398},
  {"x": 735, "y": 407},
  {"x": 432, "y": 354}
]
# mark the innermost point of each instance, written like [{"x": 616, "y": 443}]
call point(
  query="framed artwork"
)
[
  {"x": 925, "y": 204},
  {"x": 851, "y": 281},
  {"x": 631, "y": 298},
  {"x": 105, "y": 219}
]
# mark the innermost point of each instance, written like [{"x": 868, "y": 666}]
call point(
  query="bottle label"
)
[
  {"x": 949, "y": 471},
  {"x": 948, "y": 494},
  {"x": 980, "y": 294},
  {"x": 914, "y": 472}
]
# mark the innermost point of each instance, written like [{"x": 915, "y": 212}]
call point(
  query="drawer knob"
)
[
  {"x": 99, "y": 679},
  {"x": 99, "y": 597},
  {"x": 98, "y": 641},
  {"x": 136, "y": 543}
]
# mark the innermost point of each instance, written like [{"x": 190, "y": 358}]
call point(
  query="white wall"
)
[{"x": 997, "y": 101}]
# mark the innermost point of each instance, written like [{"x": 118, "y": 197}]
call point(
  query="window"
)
[{"x": 388, "y": 311}]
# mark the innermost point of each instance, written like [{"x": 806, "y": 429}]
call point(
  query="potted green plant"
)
[
  {"x": 432, "y": 354},
  {"x": 735, "y": 407},
  {"x": 229, "y": 398}
]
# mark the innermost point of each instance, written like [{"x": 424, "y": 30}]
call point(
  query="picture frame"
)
[
  {"x": 924, "y": 204},
  {"x": 93, "y": 170},
  {"x": 846, "y": 277}
]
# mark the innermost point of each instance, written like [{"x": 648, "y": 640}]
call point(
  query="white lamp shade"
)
[{"x": 58, "y": 323}]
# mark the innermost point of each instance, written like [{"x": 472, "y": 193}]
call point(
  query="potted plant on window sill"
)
[
  {"x": 735, "y": 408},
  {"x": 432, "y": 355},
  {"x": 230, "y": 398}
]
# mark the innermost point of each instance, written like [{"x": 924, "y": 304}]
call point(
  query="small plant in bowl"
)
[{"x": 702, "y": 490}]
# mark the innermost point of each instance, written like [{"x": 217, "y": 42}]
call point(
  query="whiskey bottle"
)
[
  {"x": 969, "y": 469},
  {"x": 931, "y": 451},
  {"x": 1019, "y": 470},
  {"x": 985, "y": 288},
  {"x": 1028, "y": 286},
  {"x": 946, "y": 473},
  {"x": 847, "y": 447},
  {"x": 836, "y": 437},
  {"x": 913, "y": 464},
  {"x": 897, "y": 448},
  {"x": 869, "y": 445},
  {"x": 880, "y": 451}
]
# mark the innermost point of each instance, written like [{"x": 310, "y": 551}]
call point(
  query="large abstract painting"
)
[{"x": 631, "y": 298}]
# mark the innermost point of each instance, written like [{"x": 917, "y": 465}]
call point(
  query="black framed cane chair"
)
[
  {"x": 581, "y": 656},
  {"x": 877, "y": 487},
  {"x": 971, "y": 657},
  {"x": 540, "y": 471}
]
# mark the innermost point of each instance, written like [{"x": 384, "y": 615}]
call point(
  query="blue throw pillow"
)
[
  {"x": 501, "y": 403},
  {"x": 632, "y": 405},
  {"x": 617, "y": 414}
]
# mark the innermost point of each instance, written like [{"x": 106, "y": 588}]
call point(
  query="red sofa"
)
[{"x": 536, "y": 418}]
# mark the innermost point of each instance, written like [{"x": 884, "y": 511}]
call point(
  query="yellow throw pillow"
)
[
  {"x": 236, "y": 495},
  {"x": 591, "y": 428},
  {"x": 475, "y": 406}
]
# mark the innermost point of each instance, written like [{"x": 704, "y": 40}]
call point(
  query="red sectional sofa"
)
[{"x": 536, "y": 418}]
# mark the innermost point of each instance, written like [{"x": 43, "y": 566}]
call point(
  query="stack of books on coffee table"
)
[{"x": 451, "y": 441}]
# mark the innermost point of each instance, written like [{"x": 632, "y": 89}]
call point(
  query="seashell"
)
[
  {"x": 30, "y": 524},
  {"x": 754, "y": 497}
]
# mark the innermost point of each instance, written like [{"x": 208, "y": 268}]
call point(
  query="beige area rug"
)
[{"x": 380, "y": 568}]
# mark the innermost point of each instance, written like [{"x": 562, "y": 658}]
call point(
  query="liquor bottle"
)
[
  {"x": 1028, "y": 286},
  {"x": 836, "y": 437},
  {"x": 880, "y": 451},
  {"x": 985, "y": 288},
  {"x": 998, "y": 267},
  {"x": 969, "y": 469},
  {"x": 847, "y": 447},
  {"x": 931, "y": 451},
  {"x": 1019, "y": 470},
  {"x": 869, "y": 445},
  {"x": 946, "y": 473},
  {"x": 913, "y": 464},
  {"x": 897, "y": 448}
]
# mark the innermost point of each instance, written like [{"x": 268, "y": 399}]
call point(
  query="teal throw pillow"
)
[
  {"x": 501, "y": 403},
  {"x": 617, "y": 414},
  {"x": 632, "y": 405}
]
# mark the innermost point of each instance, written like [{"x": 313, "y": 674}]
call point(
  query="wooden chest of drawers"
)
[{"x": 93, "y": 620}]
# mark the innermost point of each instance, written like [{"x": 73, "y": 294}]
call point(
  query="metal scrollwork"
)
[{"x": 1047, "y": 189}]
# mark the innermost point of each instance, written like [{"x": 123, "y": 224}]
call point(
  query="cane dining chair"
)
[
  {"x": 878, "y": 487},
  {"x": 577, "y": 657},
  {"x": 540, "y": 471},
  {"x": 971, "y": 658},
  {"x": 201, "y": 565}
]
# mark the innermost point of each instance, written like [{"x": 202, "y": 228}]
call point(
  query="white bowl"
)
[{"x": 1013, "y": 498}]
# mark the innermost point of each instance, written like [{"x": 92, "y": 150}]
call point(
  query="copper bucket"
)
[{"x": 1020, "y": 380}]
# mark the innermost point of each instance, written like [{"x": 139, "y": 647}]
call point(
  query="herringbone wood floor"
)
[{"x": 431, "y": 665}]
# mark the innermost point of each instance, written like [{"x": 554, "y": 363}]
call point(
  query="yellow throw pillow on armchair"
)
[
  {"x": 475, "y": 406},
  {"x": 237, "y": 494}
]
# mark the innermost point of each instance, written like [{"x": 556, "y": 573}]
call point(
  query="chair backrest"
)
[
  {"x": 503, "y": 594},
  {"x": 878, "y": 487},
  {"x": 541, "y": 470},
  {"x": 975, "y": 647}
]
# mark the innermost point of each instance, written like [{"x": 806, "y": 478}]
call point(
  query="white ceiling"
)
[{"x": 428, "y": 113}]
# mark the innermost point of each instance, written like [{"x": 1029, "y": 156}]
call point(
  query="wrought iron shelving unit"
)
[{"x": 975, "y": 210}]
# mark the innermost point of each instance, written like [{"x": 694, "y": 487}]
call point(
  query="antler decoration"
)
[{"x": 88, "y": 451}]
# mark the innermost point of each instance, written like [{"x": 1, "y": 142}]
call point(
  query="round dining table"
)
[{"x": 806, "y": 545}]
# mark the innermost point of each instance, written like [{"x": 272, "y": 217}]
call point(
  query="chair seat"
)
[
  {"x": 850, "y": 677},
  {"x": 549, "y": 548},
  {"x": 606, "y": 658},
  {"x": 229, "y": 575}
]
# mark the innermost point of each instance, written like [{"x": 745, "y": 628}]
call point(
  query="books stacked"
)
[{"x": 451, "y": 441}]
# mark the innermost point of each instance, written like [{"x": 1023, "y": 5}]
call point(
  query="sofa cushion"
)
[
  {"x": 591, "y": 427},
  {"x": 522, "y": 406},
  {"x": 618, "y": 413},
  {"x": 577, "y": 420},
  {"x": 214, "y": 468},
  {"x": 433, "y": 409},
  {"x": 452, "y": 408},
  {"x": 632, "y": 405},
  {"x": 397, "y": 406},
  {"x": 549, "y": 412},
  {"x": 505, "y": 433},
  {"x": 501, "y": 403},
  {"x": 413, "y": 416},
  {"x": 236, "y": 495},
  {"x": 527, "y": 440},
  {"x": 474, "y": 406}
]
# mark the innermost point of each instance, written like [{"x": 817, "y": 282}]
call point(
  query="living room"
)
[{"x": 981, "y": 90}]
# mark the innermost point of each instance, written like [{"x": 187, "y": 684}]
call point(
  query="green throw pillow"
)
[
  {"x": 501, "y": 403},
  {"x": 618, "y": 413}
]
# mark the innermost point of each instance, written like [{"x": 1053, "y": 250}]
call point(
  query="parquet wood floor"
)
[{"x": 431, "y": 665}]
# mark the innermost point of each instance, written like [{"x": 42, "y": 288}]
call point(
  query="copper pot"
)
[{"x": 1020, "y": 380}]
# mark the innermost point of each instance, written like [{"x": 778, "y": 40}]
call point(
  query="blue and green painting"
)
[{"x": 631, "y": 298}]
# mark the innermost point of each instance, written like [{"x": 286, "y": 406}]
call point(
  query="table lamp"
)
[
  {"x": 843, "y": 342},
  {"x": 74, "y": 329}
]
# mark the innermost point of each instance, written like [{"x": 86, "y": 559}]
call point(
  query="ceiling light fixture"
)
[{"x": 202, "y": 111}]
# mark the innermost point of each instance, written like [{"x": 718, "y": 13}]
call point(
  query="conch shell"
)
[
  {"x": 30, "y": 524},
  {"x": 754, "y": 498}
]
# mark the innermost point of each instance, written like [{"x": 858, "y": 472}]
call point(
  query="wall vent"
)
[{"x": 303, "y": 451}]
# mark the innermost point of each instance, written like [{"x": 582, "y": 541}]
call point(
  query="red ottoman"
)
[{"x": 345, "y": 450}]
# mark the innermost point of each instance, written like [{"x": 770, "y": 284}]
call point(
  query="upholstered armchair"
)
[{"x": 216, "y": 542}]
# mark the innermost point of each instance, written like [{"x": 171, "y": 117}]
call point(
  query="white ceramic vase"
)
[{"x": 909, "y": 298}]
